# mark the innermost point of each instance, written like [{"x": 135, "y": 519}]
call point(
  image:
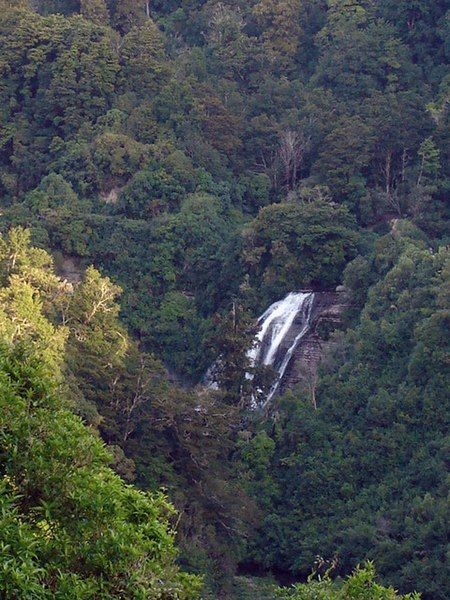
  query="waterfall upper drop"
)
[{"x": 283, "y": 326}]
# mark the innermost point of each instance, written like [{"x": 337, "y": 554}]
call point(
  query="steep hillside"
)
[{"x": 186, "y": 164}]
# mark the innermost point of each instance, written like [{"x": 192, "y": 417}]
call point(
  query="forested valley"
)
[{"x": 169, "y": 171}]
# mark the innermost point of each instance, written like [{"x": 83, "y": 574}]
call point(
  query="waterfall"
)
[{"x": 283, "y": 326}]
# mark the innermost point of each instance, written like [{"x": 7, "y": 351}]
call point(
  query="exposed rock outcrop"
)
[
  {"x": 69, "y": 268},
  {"x": 326, "y": 315},
  {"x": 111, "y": 196}
]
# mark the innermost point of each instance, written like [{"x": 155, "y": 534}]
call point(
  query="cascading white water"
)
[
  {"x": 277, "y": 323},
  {"x": 282, "y": 328}
]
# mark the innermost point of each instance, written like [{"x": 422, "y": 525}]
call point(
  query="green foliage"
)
[
  {"x": 117, "y": 157},
  {"x": 281, "y": 30},
  {"x": 70, "y": 527},
  {"x": 142, "y": 60},
  {"x": 204, "y": 153},
  {"x": 357, "y": 478},
  {"x": 179, "y": 331},
  {"x": 95, "y": 10},
  {"x": 429, "y": 155},
  {"x": 149, "y": 193},
  {"x": 234, "y": 334},
  {"x": 289, "y": 246},
  {"x": 27, "y": 284},
  {"x": 64, "y": 72},
  {"x": 360, "y": 585},
  {"x": 128, "y": 13},
  {"x": 53, "y": 193},
  {"x": 156, "y": 431}
]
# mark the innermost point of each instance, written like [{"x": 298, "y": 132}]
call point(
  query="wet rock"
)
[{"x": 326, "y": 317}]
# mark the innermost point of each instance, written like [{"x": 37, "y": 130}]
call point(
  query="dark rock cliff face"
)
[{"x": 327, "y": 310}]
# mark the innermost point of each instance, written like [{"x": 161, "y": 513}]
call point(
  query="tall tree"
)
[
  {"x": 233, "y": 337},
  {"x": 144, "y": 65},
  {"x": 280, "y": 31}
]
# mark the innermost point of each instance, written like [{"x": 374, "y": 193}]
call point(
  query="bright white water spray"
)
[{"x": 276, "y": 342}]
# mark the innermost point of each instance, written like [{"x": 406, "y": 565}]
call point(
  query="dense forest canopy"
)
[{"x": 168, "y": 169}]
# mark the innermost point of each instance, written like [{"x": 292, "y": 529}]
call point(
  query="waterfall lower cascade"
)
[{"x": 283, "y": 326}]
